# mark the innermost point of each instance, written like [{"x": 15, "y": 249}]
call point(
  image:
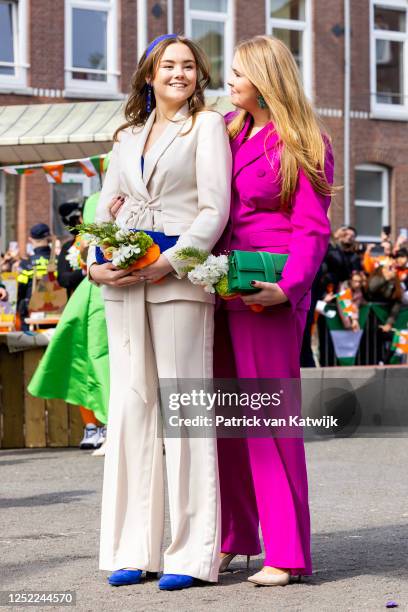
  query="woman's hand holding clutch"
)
[{"x": 270, "y": 294}]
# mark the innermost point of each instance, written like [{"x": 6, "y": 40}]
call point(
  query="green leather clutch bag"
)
[{"x": 245, "y": 266}]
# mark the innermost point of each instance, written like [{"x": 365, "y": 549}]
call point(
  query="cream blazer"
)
[{"x": 184, "y": 191}]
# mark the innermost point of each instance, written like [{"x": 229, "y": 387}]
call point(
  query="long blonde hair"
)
[
  {"x": 135, "y": 110},
  {"x": 269, "y": 65}
]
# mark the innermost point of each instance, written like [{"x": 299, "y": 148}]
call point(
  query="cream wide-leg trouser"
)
[{"x": 178, "y": 343}]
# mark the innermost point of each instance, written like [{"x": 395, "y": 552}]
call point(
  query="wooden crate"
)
[{"x": 27, "y": 421}]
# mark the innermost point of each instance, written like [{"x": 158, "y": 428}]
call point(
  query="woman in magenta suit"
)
[{"x": 282, "y": 176}]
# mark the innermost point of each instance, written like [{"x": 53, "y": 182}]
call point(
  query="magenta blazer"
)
[{"x": 258, "y": 223}]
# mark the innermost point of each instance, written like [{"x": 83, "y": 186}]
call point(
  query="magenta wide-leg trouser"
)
[{"x": 263, "y": 480}]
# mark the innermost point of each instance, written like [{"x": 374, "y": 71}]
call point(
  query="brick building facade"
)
[{"x": 47, "y": 58}]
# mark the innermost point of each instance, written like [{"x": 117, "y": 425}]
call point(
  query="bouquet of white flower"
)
[
  {"x": 210, "y": 272},
  {"x": 206, "y": 270},
  {"x": 124, "y": 247}
]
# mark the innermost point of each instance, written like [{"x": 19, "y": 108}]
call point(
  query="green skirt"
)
[{"x": 75, "y": 366}]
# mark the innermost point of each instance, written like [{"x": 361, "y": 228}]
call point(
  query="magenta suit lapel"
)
[{"x": 246, "y": 152}]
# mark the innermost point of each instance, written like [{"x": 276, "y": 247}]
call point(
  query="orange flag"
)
[{"x": 55, "y": 172}]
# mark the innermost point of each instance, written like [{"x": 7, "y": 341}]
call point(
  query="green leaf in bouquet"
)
[
  {"x": 222, "y": 286},
  {"x": 143, "y": 240},
  {"x": 194, "y": 255}
]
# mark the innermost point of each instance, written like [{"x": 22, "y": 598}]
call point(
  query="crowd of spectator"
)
[
  {"x": 376, "y": 273},
  {"x": 364, "y": 273}
]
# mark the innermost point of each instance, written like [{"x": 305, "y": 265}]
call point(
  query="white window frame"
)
[
  {"x": 396, "y": 112},
  {"x": 20, "y": 65},
  {"x": 384, "y": 203},
  {"x": 111, "y": 85},
  {"x": 227, "y": 18},
  {"x": 305, "y": 26}
]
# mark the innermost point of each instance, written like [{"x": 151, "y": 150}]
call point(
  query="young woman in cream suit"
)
[{"x": 170, "y": 172}]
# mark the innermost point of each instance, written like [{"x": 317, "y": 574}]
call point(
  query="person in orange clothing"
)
[{"x": 372, "y": 261}]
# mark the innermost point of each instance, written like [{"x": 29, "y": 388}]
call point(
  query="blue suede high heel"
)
[
  {"x": 124, "y": 576},
  {"x": 174, "y": 582}
]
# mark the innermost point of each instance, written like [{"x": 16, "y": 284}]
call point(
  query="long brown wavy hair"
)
[
  {"x": 135, "y": 110},
  {"x": 269, "y": 65}
]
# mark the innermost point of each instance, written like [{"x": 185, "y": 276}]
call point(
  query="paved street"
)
[{"x": 359, "y": 490}]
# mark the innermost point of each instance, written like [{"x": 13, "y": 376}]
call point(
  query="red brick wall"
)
[
  {"x": 328, "y": 54},
  {"x": 33, "y": 204},
  {"x": 178, "y": 16},
  {"x": 360, "y": 55},
  {"x": 399, "y": 217},
  {"x": 156, "y": 26},
  {"x": 334, "y": 128},
  {"x": 127, "y": 42},
  {"x": 249, "y": 19},
  {"x": 46, "y": 37}
]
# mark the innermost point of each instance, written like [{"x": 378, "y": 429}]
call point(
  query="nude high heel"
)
[
  {"x": 264, "y": 579},
  {"x": 225, "y": 561}
]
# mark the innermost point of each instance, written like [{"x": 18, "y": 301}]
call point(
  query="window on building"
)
[
  {"x": 371, "y": 201},
  {"x": 91, "y": 45},
  {"x": 389, "y": 69},
  {"x": 290, "y": 21},
  {"x": 209, "y": 23},
  {"x": 13, "y": 67}
]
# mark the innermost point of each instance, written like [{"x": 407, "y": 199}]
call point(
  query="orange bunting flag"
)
[
  {"x": 91, "y": 166},
  {"x": 16, "y": 170},
  {"x": 88, "y": 167},
  {"x": 55, "y": 172}
]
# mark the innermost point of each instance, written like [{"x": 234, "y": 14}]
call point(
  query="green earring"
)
[{"x": 261, "y": 101}]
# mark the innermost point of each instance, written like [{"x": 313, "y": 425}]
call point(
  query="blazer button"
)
[{"x": 260, "y": 172}]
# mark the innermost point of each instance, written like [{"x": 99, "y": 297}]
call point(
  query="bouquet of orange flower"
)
[{"x": 123, "y": 247}]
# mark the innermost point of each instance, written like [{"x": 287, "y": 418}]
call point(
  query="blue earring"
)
[
  {"x": 261, "y": 101},
  {"x": 149, "y": 99}
]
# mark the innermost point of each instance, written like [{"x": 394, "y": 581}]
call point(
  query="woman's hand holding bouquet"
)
[
  {"x": 125, "y": 257},
  {"x": 155, "y": 272}
]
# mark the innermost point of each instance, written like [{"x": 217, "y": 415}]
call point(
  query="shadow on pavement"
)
[{"x": 44, "y": 499}]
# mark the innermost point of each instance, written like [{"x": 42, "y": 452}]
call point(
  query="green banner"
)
[{"x": 382, "y": 314}]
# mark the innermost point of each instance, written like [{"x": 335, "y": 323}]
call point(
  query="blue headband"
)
[{"x": 156, "y": 42}]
